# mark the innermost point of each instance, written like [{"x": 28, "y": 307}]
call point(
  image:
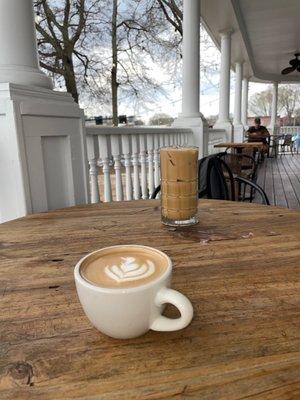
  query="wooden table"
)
[
  {"x": 239, "y": 147},
  {"x": 239, "y": 266}
]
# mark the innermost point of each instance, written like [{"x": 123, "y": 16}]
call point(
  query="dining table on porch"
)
[
  {"x": 239, "y": 147},
  {"x": 239, "y": 266}
]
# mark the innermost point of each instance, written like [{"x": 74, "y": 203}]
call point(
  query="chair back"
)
[
  {"x": 240, "y": 163},
  {"x": 215, "y": 179},
  {"x": 287, "y": 140}
]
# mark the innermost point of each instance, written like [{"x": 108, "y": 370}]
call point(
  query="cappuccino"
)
[{"x": 123, "y": 266}]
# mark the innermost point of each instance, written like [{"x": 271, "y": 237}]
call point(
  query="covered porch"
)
[
  {"x": 231, "y": 276},
  {"x": 45, "y": 145}
]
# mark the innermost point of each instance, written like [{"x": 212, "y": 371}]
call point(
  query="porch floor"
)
[{"x": 280, "y": 178}]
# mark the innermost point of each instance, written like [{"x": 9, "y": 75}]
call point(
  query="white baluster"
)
[
  {"x": 116, "y": 153},
  {"x": 173, "y": 139},
  {"x": 107, "y": 182},
  {"x": 95, "y": 198},
  {"x": 127, "y": 156},
  {"x": 105, "y": 158},
  {"x": 167, "y": 139},
  {"x": 176, "y": 139},
  {"x": 135, "y": 163},
  {"x": 93, "y": 155},
  {"x": 161, "y": 141},
  {"x": 187, "y": 135},
  {"x": 150, "y": 149},
  {"x": 186, "y": 138},
  {"x": 143, "y": 167},
  {"x": 156, "y": 160},
  {"x": 180, "y": 139}
]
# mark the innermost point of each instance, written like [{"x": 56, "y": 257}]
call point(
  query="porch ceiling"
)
[{"x": 266, "y": 34}]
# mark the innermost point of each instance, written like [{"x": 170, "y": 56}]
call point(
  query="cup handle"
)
[{"x": 181, "y": 302}]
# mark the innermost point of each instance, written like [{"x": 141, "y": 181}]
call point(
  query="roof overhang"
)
[{"x": 266, "y": 34}]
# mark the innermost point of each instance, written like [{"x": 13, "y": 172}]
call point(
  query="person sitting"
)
[{"x": 258, "y": 133}]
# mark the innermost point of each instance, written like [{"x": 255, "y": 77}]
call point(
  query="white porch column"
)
[
  {"x": 42, "y": 135},
  {"x": 191, "y": 59},
  {"x": 18, "y": 51},
  {"x": 237, "y": 122},
  {"x": 245, "y": 89},
  {"x": 190, "y": 116},
  {"x": 274, "y": 108},
  {"x": 223, "y": 121}
]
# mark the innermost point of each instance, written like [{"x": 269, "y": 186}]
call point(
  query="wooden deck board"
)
[
  {"x": 280, "y": 178},
  {"x": 280, "y": 197}
]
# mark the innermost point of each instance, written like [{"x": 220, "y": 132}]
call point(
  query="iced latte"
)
[{"x": 179, "y": 185}]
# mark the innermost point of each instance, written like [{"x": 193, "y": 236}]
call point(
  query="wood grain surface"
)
[{"x": 239, "y": 266}]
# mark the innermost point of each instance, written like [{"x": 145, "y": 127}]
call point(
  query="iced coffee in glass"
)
[{"x": 179, "y": 185}]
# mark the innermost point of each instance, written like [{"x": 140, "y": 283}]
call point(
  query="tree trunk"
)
[
  {"x": 70, "y": 79},
  {"x": 114, "y": 69}
]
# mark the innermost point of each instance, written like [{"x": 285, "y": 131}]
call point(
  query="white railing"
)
[
  {"x": 211, "y": 137},
  {"x": 124, "y": 162},
  {"x": 293, "y": 130}
]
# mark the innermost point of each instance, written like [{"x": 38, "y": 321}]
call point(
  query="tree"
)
[
  {"x": 173, "y": 13},
  {"x": 296, "y": 117},
  {"x": 260, "y": 103},
  {"x": 125, "y": 59},
  {"x": 107, "y": 50},
  {"x": 63, "y": 31},
  {"x": 288, "y": 100},
  {"x": 161, "y": 119},
  {"x": 114, "y": 68}
]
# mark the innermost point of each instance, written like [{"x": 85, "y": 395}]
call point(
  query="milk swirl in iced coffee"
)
[{"x": 179, "y": 185}]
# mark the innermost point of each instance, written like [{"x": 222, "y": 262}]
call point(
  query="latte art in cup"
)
[
  {"x": 123, "y": 267},
  {"x": 130, "y": 270}
]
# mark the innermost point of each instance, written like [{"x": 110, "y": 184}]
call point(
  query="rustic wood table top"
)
[
  {"x": 246, "y": 145},
  {"x": 239, "y": 266}
]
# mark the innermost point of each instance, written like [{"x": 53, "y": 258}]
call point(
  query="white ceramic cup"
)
[{"x": 125, "y": 313}]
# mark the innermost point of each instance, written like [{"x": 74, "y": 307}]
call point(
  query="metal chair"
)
[
  {"x": 287, "y": 143},
  {"x": 244, "y": 166}
]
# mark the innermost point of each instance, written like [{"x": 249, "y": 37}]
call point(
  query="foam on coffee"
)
[{"x": 123, "y": 266}]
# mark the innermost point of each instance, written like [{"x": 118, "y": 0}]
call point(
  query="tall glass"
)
[{"x": 179, "y": 185}]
